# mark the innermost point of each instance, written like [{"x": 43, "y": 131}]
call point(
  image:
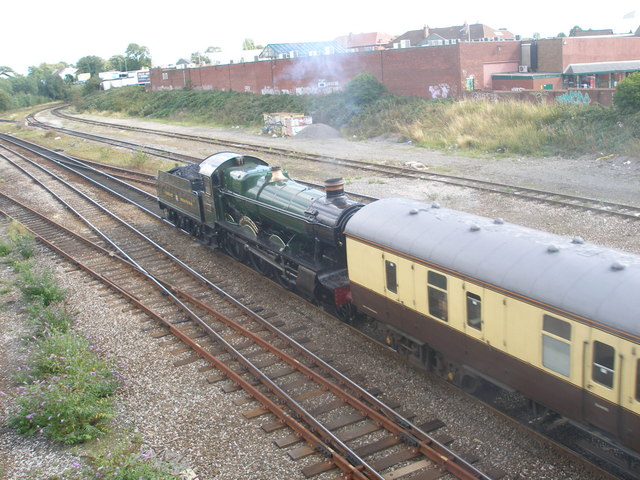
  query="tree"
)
[
  {"x": 198, "y": 58},
  {"x": 249, "y": 44},
  {"x": 574, "y": 31},
  {"x": 138, "y": 57},
  {"x": 627, "y": 95},
  {"x": 364, "y": 89},
  {"x": 5, "y": 100},
  {"x": 117, "y": 62},
  {"x": 91, "y": 64}
]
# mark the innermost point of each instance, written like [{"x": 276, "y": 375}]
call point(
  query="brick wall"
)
[
  {"x": 426, "y": 72},
  {"x": 430, "y": 72}
]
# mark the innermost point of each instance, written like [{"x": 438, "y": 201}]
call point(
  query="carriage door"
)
[{"x": 603, "y": 367}]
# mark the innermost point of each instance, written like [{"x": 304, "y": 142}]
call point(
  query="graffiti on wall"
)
[
  {"x": 321, "y": 87},
  {"x": 485, "y": 95},
  {"x": 439, "y": 91},
  {"x": 574, "y": 97}
]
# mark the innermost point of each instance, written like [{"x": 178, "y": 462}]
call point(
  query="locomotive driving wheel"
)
[
  {"x": 260, "y": 265},
  {"x": 234, "y": 248}
]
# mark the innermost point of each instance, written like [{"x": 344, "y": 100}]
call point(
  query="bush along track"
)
[{"x": 66, "y": 391}]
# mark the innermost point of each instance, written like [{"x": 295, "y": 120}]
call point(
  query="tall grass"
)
[{"x": 471, "y": 126}]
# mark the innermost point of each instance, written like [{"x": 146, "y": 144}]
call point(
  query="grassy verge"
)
[
  {"x": 77, "y": 147},
  {"x": 67, "y": 390},
  {"x": 468, "y": 127}
]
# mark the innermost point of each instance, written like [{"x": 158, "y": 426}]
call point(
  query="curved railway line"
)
[
  {"x": 535, "y": 195},
  {"x": 265, "y": 361}
]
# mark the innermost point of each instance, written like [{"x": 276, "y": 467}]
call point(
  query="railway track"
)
[
  {"x": 299, "y": 389},
  {"x": 297, "y": 452},
  {"x": 530, "y": 194}
]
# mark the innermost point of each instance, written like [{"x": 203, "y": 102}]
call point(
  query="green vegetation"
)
[
  {"x": 66, "y": 391},
  {"x": 627, "y": 96},
  {"x": 366, "y": 110}
]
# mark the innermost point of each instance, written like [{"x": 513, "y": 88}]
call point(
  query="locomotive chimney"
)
[
  {"x": 334, "y": 187},
  {"x": 276, "y": 175}
]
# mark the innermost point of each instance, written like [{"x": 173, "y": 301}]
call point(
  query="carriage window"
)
[
  {"x": 603, "y": 363},
  {"x": 437, "y": 293},
  {"x": 392, "y": 284},
  {"x": 474, "y": 315},
  {"x": 638, "y": 381},
  {"x": 556, "y": 345}
]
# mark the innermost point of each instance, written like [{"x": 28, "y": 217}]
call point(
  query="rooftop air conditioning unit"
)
[{"x": 523, "y": 69}]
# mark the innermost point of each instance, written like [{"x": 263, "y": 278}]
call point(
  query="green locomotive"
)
[{"x": 258, "y": 215}]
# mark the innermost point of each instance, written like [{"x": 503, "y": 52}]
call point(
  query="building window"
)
[
  {"x": 603, "y": 363},
  {"x": 474, "y": 311},
  {"x": 165, "y": 76},
  {"x": 437, "y": 294},
  {"x": 390, "y": 269},
  {"x": 556, "y": 345}
]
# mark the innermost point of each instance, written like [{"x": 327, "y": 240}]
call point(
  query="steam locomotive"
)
[
  {"x": 257, "y": 214},
  {"x": 473, "y": 299}
]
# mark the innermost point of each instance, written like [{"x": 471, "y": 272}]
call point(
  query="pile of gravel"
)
[{"x": 318, "y": 131}]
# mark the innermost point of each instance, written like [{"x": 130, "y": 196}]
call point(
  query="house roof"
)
[
  {"x": 602, "y": 67},
  {"x": 475, "y": 31},
  {"x": 591, "y": 32},
  {"x": 358, "y": 40},
  {"x": 301, "y": 49}
]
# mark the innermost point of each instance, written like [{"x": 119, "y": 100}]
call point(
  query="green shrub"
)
[
  {"x": 56, "y": 409},
  {"x": 40, "y": 287},
  {"x": 49, "y": 319},
  {"x": 627, "y": 95},
  {"x": 5, "y": 249},
  {"x": 66, "y": 392}
]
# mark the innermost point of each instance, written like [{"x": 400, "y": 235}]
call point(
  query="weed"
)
[
  {"x": 65, "y": 394},
  {"x": 40, "y": 286},
  {"x": 5, "y": 249},
  {"x": 49, "y": 319},
  {"x": 139, "y": 160},
  {"x": 131, "y": 466}
]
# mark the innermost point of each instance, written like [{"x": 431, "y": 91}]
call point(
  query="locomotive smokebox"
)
[{"x": 334, "y": 187}]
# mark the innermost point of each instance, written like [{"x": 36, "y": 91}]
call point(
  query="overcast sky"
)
[{"x": 44, "y": 31}]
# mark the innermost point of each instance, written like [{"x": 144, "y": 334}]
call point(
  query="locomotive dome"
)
[{"x": 584, "y": 279}]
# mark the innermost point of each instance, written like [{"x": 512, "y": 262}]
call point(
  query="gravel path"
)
[{"x": 175, "y": 410}]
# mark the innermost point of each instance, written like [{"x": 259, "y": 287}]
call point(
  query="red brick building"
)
[{"x": 429, "y": 71}]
